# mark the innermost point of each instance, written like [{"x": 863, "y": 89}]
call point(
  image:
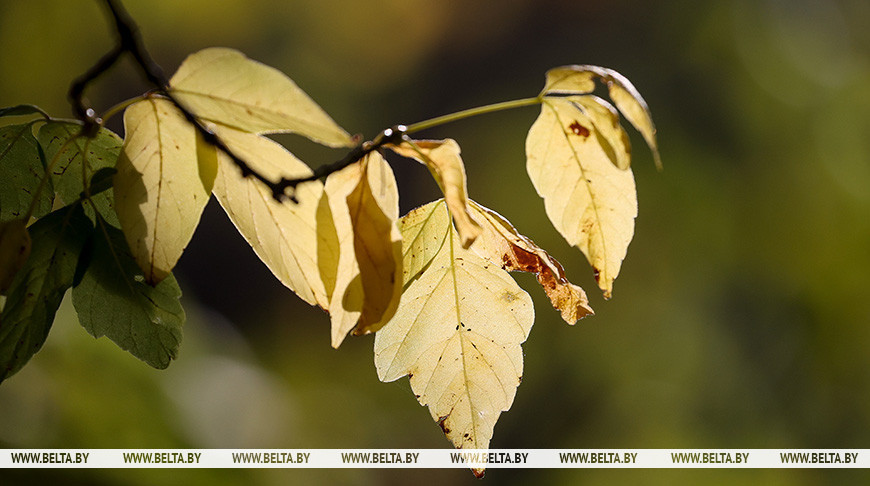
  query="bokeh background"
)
[{"x": 741, "y": 318}]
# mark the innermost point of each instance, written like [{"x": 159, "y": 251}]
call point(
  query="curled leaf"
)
[
  {"x": 457, "y": 332},
  {"x": 443, "y": 160},
  {"x": 503, "y": 245},
  {"x": 159, "y": 190},
  {"x": 579, "y": 79},
  {"x": 223, "y": 86},
  {"x": 590, "y": 202},
  {"x": 364, "y": 203}
]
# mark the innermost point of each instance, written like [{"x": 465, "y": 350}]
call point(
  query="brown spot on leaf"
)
[{"x": 578, "y": 129}]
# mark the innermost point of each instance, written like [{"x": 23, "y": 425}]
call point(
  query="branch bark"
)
[{"x": 130, "y": 41}]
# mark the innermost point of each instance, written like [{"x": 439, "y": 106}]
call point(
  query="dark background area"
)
[{"x": 741, "y": 317}]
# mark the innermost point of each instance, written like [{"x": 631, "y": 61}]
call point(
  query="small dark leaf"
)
[
  {"x": 102, "y": 180},
  {"x": 39, "y": 286},
  {"x": 22, "y": 110},
  {"x": 114, "y": 300}
]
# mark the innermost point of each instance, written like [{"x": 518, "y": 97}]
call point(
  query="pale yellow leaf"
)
[
  {"x": 223, "y": 86},
  {"x": 590, "y": 202},
  {"x": 289, "y": 238},
  {"x": 364, "y": 203},
  {"x": 579, "y": 79},
  {"x": 503, "y": 245},
  {"x": 606, "y": 128},
  {"x": 443, "y": 160},
  {"x": 161, "y": 187},
  {"x": 457, "y": 333}
]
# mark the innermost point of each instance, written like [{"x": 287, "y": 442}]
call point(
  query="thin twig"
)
[{"x": 130, "y": 41}]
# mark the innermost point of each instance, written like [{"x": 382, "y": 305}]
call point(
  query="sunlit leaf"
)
[
  {"x": 457, "y": 333},
  {"x": 590, "y": 202},
  {"x": 604, "y": 122},
  {"x": 39, "y": 286},
  {"x": 15, "y": 245},
  {"x": 21, "y": 170},
  {"x": 223, "y": 86},
  {"x": 364, "y": 202},
  {"x": 159, "y": 189},
  {"x": 114, "y": 300},
  {"x": 579, "y": 79},
  {"x": 443, "y": 160},
  {"x": 70, "y": 152},
  {"x": 284, "y": 235},
  {"x": 503, "y": 245}
]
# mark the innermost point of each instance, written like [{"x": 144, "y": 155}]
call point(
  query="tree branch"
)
[{"x": 129, "y": 41}]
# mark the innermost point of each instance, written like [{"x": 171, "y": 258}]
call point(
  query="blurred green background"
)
[{"x": 741, "y": 318}]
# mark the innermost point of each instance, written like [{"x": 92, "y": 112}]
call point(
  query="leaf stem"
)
[
  {"x": 480, "y": 110},
  {"x": 121, "y": 106}
]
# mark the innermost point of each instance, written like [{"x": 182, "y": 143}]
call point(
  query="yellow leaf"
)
[
  {"x": 503, "y": 245},
  {"x": 606, "y": 128},
  {"x": 590, "y": 202},
  {"x": 14, "y": 249},
  {"x": 288, "y": 237},
  {"x": 223, "y": 86},
  {"x": 579, "y": 79},
  {"x": 443, "y": 160},
  {"x": 161, "y": 187},
  {"x": 457, "y": 332},
  {"x": 364, "y": 202}
]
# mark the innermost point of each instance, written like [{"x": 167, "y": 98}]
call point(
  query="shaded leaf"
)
[
  {"x": 443, "y": 160},
  {"x": 364, "y": 203},
  {"x": 73, "y": 154},
  {"x": 223, "y": 86},
  {"x": 457, "y": 334},
  {"x": 22, "y": 167},
  {"x": 589, "y": 201},
  {"x": 503, "y": 245},
  {"x": 15, "y": 245},
  {"x": 114, "y": 300},
  {"x": 159, "y": 190},
  {"x": 286, "y": 237},
  {"x": 39, "y": 286},
  {"x": 20, "y": 110}
]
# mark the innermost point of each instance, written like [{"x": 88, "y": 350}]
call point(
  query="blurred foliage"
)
[{"x": 740, "y": 318}]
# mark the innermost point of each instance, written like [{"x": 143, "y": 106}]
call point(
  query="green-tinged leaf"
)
[
  {"x": 502, "y": 244},
  {"x": 15, "y": 247},
  {"x": 223, "y": 86},
  {"x": 159, "y": 191},
  {"x": 286, "y": 236},
  {"x": 590, "y": 202},
  {"x": 419, "y": 245},
  {"x": 457, "y": 334},
  {"x": 39, "y": 286},
  {"x": 113, "y": 300},
  {"x": 102, "y": 180},
  {"x": 364, "y": 203},
  {"x": 21, "y": 110},
  {"x": 444, "y": 162},
  {"x": 22, "y": 167},
  {"x": 78, "y": 158},
  {"x": 579, "y": 79}
]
